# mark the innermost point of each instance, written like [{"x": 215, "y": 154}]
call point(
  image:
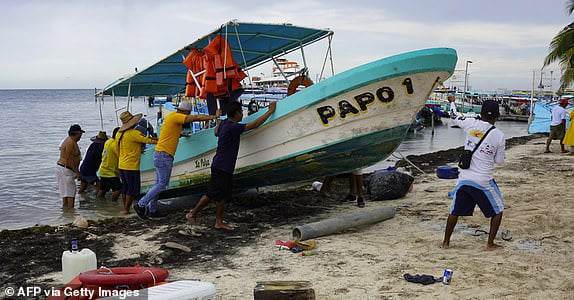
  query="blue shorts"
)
[{"x": 468, "y": 194}]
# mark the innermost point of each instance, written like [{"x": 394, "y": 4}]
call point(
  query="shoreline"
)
[{"x": 262, "y": 217}]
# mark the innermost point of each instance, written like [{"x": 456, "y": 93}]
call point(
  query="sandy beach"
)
[{"x": 362, "y": 263}]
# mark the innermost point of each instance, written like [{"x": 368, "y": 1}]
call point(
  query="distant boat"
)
[{"x": 348, "y": 121}]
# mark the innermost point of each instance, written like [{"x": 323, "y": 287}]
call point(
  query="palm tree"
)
[{"x": 562, "y": 50}]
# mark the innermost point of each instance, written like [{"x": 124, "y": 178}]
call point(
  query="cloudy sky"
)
[{"x": 87, "y": 44}]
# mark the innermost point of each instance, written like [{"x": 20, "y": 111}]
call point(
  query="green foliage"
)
[{"x": 562, "y": 50}]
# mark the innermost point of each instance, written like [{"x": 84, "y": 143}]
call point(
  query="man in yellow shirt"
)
[
  {"x": 164, "y": 153},
  {"x": 109, "y": 173},
  {"x": 129, "y": 145}
]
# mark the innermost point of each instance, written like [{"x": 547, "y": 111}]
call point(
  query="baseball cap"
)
[
  {"x": 184, "y": 105},
  {"x": 75, "y": 128},
  {"x": 490, "y": 108}
]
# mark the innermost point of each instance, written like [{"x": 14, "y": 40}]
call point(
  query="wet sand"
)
[{"x": 361, "y": 263}]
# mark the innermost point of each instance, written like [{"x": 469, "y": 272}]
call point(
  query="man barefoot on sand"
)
[
  {"x": 476, "y": 185},
  {"x": 223, "y": 166}
]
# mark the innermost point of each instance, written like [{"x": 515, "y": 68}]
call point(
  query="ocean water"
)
[{"x": 34, "y": 122}]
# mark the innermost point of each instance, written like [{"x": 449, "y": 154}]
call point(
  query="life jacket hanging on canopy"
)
[
  {"x": 225, "y": 65},
  {"x": 194, "y": 62},
  {"x": 222, "y": 74}
]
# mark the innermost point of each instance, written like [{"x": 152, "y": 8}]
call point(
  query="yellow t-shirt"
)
[
  {"x": 109, "y": 165},
  {"x": 170, "y": 133},
  {"x": 129, "y": 149}
]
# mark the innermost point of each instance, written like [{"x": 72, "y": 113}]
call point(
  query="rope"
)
[
  {"x": 152, "y": 276},
  {"x": 324, "y": 61},
  {"x": 225, "y": 57},
  {"x": 106, "y": 268},
  {"x": 408, "y": 161},
  {"x": 243, "y": 55}
]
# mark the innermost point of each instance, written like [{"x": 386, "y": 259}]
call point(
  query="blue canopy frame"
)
[{"x": 252, "y": 44}]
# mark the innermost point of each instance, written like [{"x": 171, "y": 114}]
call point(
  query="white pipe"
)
[
  {"x": 129, "y": 93},
  {"x": 532, "y": 97},
  {"x": 340, "y": 223},
  {"x": 303, "y": 55},
  {"x": 115, "y": 107},
  {"x": 280, "y": 70},
  {"x": 331, "y": 55}
]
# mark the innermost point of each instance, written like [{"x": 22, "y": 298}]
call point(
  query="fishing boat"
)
[{"x": 348, "y": 121}]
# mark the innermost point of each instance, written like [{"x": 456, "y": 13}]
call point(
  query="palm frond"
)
[
  {"x": 567, "y": 78},
  {"x": 570, "y": 7},
  {"x": 560, "y": 44}
]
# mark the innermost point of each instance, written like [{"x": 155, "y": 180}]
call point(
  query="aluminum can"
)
[{"x": 447, "y": 276}]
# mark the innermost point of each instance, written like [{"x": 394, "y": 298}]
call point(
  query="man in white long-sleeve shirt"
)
[{"x": 475, "y": 185}]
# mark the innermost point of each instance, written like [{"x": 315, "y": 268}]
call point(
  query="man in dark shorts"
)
[
  {"x": 476, "y": 185},
  {"x": 129, "y": 141},
  {"x": 558, "y": 125},
  {"x": 109, "y": 173},
  {"x": 221, "y": 183}
]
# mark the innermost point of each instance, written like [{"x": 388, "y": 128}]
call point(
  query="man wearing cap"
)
[
  {"x": 164, "y": 153},
  {"x": 92, "y": 161},
  {"x": 67, "y": 169},
  {"x": 476, "y": 185},
  {"x": 558, "y": 125},
  {"x": 129, "y": 144}
]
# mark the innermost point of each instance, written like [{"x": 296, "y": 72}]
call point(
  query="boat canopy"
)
[{"x": 252, "y": 44}]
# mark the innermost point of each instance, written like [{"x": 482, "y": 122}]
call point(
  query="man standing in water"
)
[
  {"x": 221, "y": 183},
  {"x": 67, "y": 169},
  {"x": 558, "y": 125},
  {"x": 476, "y": 185},
  {"x": 91, "y": 163},
  {"x": 129, "y": 144},
  {"x": 164, "y": 153},
  {"x": 109, "y": 173}
]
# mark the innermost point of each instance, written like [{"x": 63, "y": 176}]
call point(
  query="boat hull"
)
[{"x": 318, "y": 131}]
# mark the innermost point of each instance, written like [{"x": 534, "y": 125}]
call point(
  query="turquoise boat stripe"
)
[{"x": 427, "y": 60}]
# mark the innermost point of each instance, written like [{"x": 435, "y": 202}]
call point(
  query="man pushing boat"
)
[
  {"x": 164, "y": 152},
  {"x": 221, "y": 183}
]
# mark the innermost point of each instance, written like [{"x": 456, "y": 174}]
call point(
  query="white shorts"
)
[{"x": 66, "y": 182}]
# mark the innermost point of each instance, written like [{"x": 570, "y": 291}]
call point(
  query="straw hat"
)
[
  {"x": 102, "y": 137},
  {"x": 129, "y": 120}
]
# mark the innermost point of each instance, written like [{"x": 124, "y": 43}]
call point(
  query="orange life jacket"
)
[
  {"x": 225, "y": 65},
  {"x": 209, "y": 85},
  {"x": 221, "y": 71},
  {"x": 194, "y": 62}
]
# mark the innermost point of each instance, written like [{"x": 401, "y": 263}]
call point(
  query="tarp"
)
[
  {"x": 259, "y": 42},
  {"x": 542, "y": 116}
]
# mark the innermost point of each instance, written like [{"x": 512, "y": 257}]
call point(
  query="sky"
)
[{"x": 88, "y": 44}]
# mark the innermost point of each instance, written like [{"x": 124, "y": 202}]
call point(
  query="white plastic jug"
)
[{"x": 74, "y": 262}]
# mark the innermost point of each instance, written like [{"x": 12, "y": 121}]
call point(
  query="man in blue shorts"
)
[
  {"x": 221, "y": 183},
  {"x": 475, "y": 185}
]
